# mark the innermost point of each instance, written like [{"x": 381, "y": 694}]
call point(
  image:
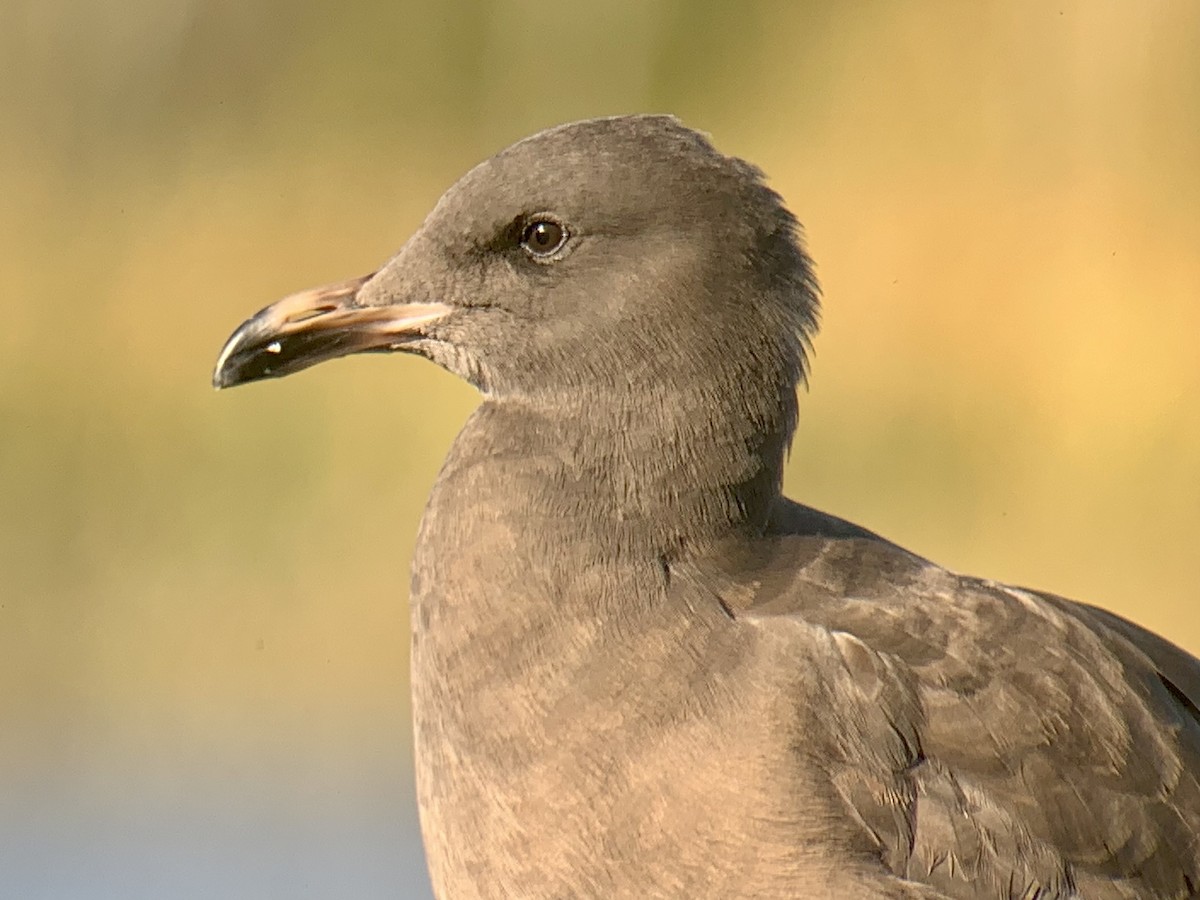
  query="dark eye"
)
[{"x": 543, "y": 237}]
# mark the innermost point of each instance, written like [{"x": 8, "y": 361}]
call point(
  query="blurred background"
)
[{"x": 203, "y": 620}]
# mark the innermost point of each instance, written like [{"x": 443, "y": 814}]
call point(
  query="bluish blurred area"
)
[{"x": 203, "y": 621}]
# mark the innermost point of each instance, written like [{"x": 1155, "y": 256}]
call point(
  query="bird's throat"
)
[{"x": 632, "y": 481}]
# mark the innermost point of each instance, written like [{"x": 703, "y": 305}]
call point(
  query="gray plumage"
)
[{"x": 640, "y": 671}]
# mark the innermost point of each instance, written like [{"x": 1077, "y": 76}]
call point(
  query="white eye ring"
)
[{"x": 544, "y": 237}]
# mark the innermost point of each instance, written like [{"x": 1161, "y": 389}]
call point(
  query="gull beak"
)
[{"x": 310, "y": 327}]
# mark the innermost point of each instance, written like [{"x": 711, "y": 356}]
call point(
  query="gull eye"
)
[{"x": 543, "y": 237}]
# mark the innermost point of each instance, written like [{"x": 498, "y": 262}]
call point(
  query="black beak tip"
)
[
  {"x": 232, "y": 366},
  {"x": 253, "y": 353},
  {"x": 237, "y": 371}
]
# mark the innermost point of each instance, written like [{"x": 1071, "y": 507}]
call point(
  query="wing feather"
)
[{"x": 1050, "y": 749}]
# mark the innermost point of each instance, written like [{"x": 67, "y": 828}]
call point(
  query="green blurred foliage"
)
[{"x": 202, "y": 622}]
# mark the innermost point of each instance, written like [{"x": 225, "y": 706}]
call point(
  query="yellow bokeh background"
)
[{"x": 203, "y": 621}]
